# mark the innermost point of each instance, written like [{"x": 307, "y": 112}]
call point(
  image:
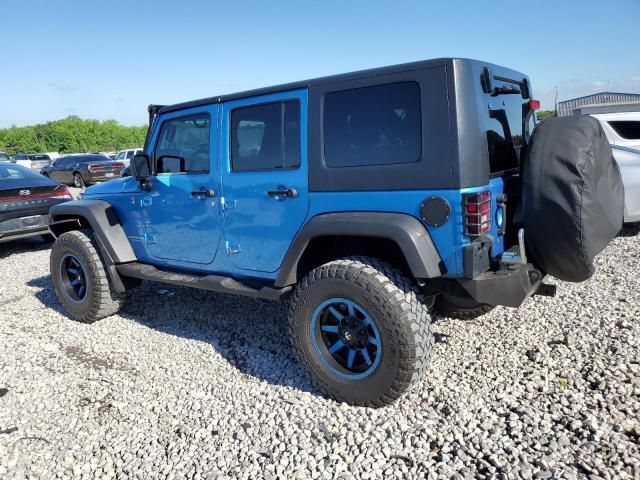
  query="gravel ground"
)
[{"x": 190, "y": 384}]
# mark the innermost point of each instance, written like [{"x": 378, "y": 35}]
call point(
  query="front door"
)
[
  {"x": 182, "y": 213},
  {"x": 264, "y": 177}
]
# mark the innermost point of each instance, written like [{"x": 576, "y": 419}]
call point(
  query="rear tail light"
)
[
  {"x": 534, "y": 104},
  {"x": 62, "y": 193},
  {"x": 477, "y": 213},
  {"x": 33, "y": 198}
]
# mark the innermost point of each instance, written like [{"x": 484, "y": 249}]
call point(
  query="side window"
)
[
  {"x": 265, "y": 137},
  {"x": 121, "y": 156},
  {"x": 130, "y": 154},
  {"x": 183, "y": 145},
  {"x": 627, "y": 129},
  {"x": 378, "y": 125}
]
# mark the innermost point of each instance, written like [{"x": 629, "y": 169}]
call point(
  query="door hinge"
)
[
  {"x": 150, "y": 238},
  {"x": 228, "y": 204},
  {"x": 232, "y": 248}
]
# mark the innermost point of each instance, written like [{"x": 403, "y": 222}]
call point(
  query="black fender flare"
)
[
  {"x": 406, "y": 231},
  {"x": 109, "y": 234}
]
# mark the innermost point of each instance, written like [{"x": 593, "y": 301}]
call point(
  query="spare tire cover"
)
[{"x": 572, "y": 196}]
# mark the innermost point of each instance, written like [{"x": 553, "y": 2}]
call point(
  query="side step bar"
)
[{"x": 216, "y": 283}]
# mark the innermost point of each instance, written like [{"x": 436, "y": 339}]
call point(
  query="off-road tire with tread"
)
[
  {"x": 461, "y": 308},
  {"x": 101, "y": 300},
  {"x": 403, "y": 321}
]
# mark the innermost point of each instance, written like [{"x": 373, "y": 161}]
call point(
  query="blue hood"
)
[{"x": 119, "y": 185}]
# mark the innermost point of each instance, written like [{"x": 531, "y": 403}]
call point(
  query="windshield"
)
[{"x": 4, "y": 157}]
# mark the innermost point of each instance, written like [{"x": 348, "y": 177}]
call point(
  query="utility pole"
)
[{"x": 555, "y": 109}]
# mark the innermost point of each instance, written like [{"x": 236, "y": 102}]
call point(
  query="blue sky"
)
[{"x": 110, "y": 59}]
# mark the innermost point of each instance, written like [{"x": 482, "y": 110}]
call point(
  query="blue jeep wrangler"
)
[{"x": 365, "y": 199}]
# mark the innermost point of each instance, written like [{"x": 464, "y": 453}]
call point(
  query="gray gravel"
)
[{"x": 186, "y": 383}]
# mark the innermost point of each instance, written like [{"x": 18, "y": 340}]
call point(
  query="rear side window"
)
[
  {"x": 130, "y": 154},
  {"x": 379, "y": 125},
  {"x": 183, "y": 145},
  {"x": 627, "y": 129},
  {"x": 265, "y": 137}
]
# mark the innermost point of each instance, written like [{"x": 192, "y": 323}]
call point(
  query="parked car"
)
[
  {"x": 33, "y": 161},
  {"x": 4, "y": 157},
  {"x": 629, "y": 162},
  {"x": 125, "y": 156},
  {"x": 25, "y": 199},
  {"x": 622, "y": 129},
  {"x": 83, "y": 169},
  {"x": 364, "y": 199}
]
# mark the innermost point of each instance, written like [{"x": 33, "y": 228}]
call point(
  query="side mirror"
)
[
  {"x": 141, "y": 166},
  {"x": 141, "y": 170}
]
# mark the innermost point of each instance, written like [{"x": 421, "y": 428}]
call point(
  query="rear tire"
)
[
  {"x": 80, "y": 279},
  {"x": 463, "y": 308},
  {"x": 363, "y": 305},
  {"x": 78, "y": 181}
]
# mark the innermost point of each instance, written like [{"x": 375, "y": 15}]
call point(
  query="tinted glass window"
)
[
  {"x": 121, "y": 155},
  {"x": 378, "y": 125},
  {"x": 16, "y": 172},
  {"x": 265, "y": 137},
  {"x": 627, "y": 129},
  {"x": 130, "y": 154},
  {"x": 183, "y": 145},
  {"x": 39, "y": 157},
  {"x": 504, "y": 123},
  {"x": 4, "y": 157}
]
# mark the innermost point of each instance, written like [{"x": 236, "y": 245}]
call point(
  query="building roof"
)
[{"x": 566, "y": 107}]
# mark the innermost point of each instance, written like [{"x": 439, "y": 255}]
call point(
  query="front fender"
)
[
  {"x": 101, "y": 217},
  {"x": 406, "y": 231}
]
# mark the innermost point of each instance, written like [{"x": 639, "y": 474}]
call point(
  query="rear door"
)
[
  {"x": 182, "y": 216},
  {"x": 509, "y": 122},
  {"x": 264, "y": 177}
]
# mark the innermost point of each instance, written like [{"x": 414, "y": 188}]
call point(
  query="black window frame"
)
[
  {"x": 159, "y": 136},
  {"x": 419, "y": 130},
  {"x": 280, "y": 102}
]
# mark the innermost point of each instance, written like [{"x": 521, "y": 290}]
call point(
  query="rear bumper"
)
[
  {"x": 21, "y": 227},
  {"x": 100, "y": 177},
  {"x": 509, "y": 287}
]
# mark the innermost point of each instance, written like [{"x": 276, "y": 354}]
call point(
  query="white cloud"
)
[
  {"x": 599, "y": 84},
  {"x": 636, "y": 79},
  {"x": 62, "y": 86}
]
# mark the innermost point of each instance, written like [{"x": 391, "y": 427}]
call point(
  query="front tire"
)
[
  {"x": 360, "y": 331},
  {"x": 80, "y": 279}
]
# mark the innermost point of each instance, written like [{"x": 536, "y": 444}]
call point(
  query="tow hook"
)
[{"x": 546, "y": 290}]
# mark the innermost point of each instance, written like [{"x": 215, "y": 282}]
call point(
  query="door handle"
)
[
  {"x": 204, "y": 192},
  {"x": 289, "y": 193}
]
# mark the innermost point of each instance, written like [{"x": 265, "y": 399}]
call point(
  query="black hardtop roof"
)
[{"x": 373, "y": 72}]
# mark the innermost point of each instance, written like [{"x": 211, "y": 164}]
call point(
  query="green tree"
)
[
  {"x": 545, "y": 114},
  {"x": 71, "y": 135}
]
